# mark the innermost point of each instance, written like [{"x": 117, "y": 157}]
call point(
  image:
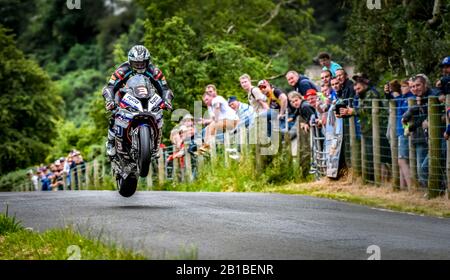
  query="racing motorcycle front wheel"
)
[
  {"x": 144, "y": 151},
  {"x": 127, "y": 187}
]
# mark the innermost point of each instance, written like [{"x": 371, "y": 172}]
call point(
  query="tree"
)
[
  {"x": 29, "y": 106},
  {"x": 402, "y": 38}
]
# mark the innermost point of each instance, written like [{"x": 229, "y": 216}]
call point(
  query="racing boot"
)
[{"x": 110, "y": 145}]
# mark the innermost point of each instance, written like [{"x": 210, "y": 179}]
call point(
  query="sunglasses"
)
[{"x": 262, "y": 87}]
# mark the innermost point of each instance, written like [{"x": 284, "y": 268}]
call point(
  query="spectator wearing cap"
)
[
  {"x": 256, "y": 98},
  {"x": 444, "y": 83},
  {"x": 300, "y": 83},
  {"x": 280, "y": 108},
  {"x": 244, "y": 111},
  {"x": 327, "y": 64}
]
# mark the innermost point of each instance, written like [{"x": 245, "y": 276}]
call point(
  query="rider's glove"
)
[
  {"x": 110, "y": 105},
  {"x": 166, "y": 105}
]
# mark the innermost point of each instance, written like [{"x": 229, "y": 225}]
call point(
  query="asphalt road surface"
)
[{"x": 236, "y": 226}]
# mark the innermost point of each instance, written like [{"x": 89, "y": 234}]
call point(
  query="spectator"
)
[
  {"x": 224, "y": 118},
  {"x": 347, "y": 91},
  {"x": 326, "y": 76},
  {"x": 34, "y": 179},
  {"x": 278, "y": 103},
  {"x": 327, "y": 64},
  {"x": 57, "y": 178},
  {"x": 46, "y": 179},
  {"x": 80, "y": 168},
  {"x": 255, "y": 97},
  {"x": 444, "y": 83},
  {"x": 418, "y": 116},
  {"x": 401, "y": 93},
  {"x": 364, "y": 96},
  {"x": 66, "y": 170},
  {"x": 302, "y": 109},
  {"x": 244, "y": 111},
  {"x": 299, "y": 83}
]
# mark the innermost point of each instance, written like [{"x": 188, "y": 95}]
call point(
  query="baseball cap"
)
[
  {"x": 445, "y": 62},
  {"x": 310, "y": 92},
  {"x": 232, "y": 99},
  {"x": 263, "y": 83}
]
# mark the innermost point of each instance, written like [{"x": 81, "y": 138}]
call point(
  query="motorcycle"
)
[{"x": 137, "y": 124}]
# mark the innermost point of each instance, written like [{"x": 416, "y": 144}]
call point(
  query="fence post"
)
[
  {"x": 434, "y": 128},
  {"x": 226, "y": 142},
  {"x": 161, "y": 168},
  {"x": 447, "y": 104},
  {"x": 176, "y": 168},
  {"x": 412, "y": 153},
  {"x": 243, "y": 141},
  {"x": 96, "y": 171},
  {"x": 376, "y": 137},
  {"x": 87, "y": 180},
  {"x": 394, "y": 144},
  {"x": 258, "y": 157},
  {"x": 187, "y": 163},
  {"x": 149, "y": 179},
  {"x": 213, "y": 148},
  {"x": 355, "y": 146},
  {"x": 303, "y": 150}
]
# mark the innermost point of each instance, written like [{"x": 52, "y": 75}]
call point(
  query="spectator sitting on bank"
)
[
  {"x": 224, "y": 118},
  {"x": 299, "y": 83},
  {"x": 255, "y": 97},
  {"x": 244, "y": 111},
  {"x": 327, "y": 64}
]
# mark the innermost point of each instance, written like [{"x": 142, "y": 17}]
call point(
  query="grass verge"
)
[
  {"x": 378, "y": 197},
  {"x": 18, "y": 243}
]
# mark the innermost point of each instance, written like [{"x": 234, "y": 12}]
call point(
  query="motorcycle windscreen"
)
[{"x": 130, "y": 101}]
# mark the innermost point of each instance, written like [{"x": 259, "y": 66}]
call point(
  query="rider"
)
[{"x": 138, "y": 63}]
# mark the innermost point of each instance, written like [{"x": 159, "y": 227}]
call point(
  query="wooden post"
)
[
  {"x": 355, "y": 146},
  {"x": 412, "y": 153},
  {"x": 394, "y": 144},
  {"x": 64, "y": 181},
  {"x": 226, "y": 142},
  {"x": 376, "y": 137},
  {"x": 175, "y": 170},
  {"x": 149, "y": 179},
  {"x": 187, "y": 163},
  {"x": 96, "y": 171},
  {"x": 213, "y": 148},
  {"x": 434, "y": 153},
  {"x": 447, "y": 103},
  {"x": 161, "y": 168},
  {"x": 364, "y": 174},
  {"x": 243, "y": 141},
  {"x": 258, "y": 156},
  {"x": 303, "y": 151},
  {"x": 79, "y": 176},
  {"x": 87, "y": 180}
]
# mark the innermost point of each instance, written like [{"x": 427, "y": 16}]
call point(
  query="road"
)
[{"x": 235, "y": 226}]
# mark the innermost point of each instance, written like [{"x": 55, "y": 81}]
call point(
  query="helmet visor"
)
[{"x": 138, "y": 65}]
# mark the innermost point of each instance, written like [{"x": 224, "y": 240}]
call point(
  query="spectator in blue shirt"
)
[
  {"x": 327, "y": 64},
  {"x": 245, "y": 112}
]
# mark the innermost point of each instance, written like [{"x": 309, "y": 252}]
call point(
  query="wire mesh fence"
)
[{"x": 381, "y": 148}]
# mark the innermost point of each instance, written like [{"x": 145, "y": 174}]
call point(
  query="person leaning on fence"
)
[
  {"x": 244, "y": 111},
  {"x": 364, "y": 94},
  {"x": 416, "y": 121},
  {"x": 33, "y": 179},
  {"x": 255, "y": 97},
  {"x": 401, "y": 93},
  {"x": 300, "y": 83}
]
